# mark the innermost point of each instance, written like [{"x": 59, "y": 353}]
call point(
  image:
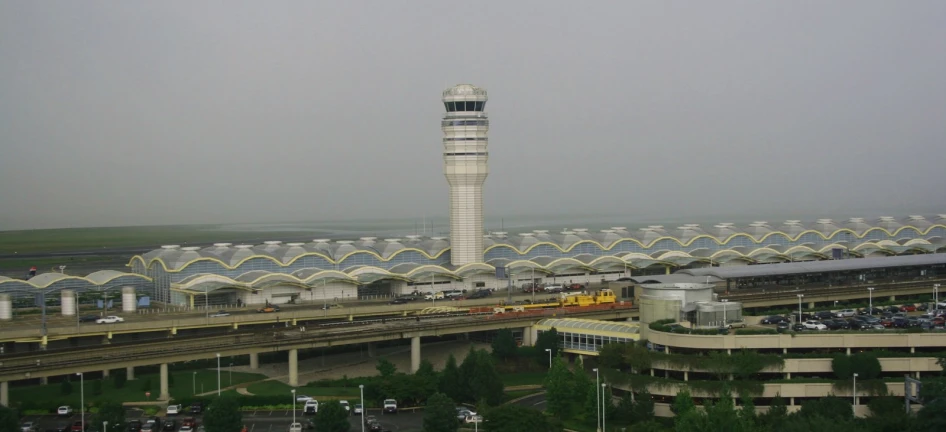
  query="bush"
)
[
  {"x": 97, "y": 388},
  {"x": 119, "y": 380},
  {"x": 146, "y": 385},
  {"x": 756, "y": 331},
  {"x": 65, "y": 387}
]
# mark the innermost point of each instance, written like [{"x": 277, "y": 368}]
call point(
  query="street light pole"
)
[
  {"x": 230, "y": 372},
  {"x": 293, "y": 406},
  {"x": 549, "y": 350},
  {"x": 104, "y": 425},
  {"x": 854, "y": 395},
  {"x": 598, "y": 396},
  {"x": 194, "y": 383},
  {"x": 533, "y": 285},
  {"x": 799, "y": 307},
  {"x": 82, "y": 399},
  {"x": 725, "y": 322},
  {"x": 935, "y": 296},
  {"x": 870, "y": 300},
  {"x": 361, "y": 389},
  {"x": 218, "y": 374},
  {"x": 604, "y": 409}
]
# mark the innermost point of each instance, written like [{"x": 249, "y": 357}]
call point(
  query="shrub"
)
[
  {"x": 65, "y": 387},
  {"x": 119, "y": 380},
  {"x": 146, "y": 385},
  {"x": 755, "y": 331}
]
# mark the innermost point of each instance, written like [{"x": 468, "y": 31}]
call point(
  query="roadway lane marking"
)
[
  {"x": 252, "y": 426},
  {"x": 538, "y": 403}
]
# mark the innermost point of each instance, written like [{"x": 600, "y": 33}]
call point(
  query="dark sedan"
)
[
  {"x": 400, "y": 300},
  {"x": 89, "y": 318},
  {"x": 774, "y": 319}
]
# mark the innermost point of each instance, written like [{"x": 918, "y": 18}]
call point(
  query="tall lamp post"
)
[
  {"x": 230, "y": 373},
  {"x": 104, "y": 425},
  {"x": 870, "y": 300},
  {"x": 82, "y": 399},
  {"x": 293, "y": 406},
  {"x": 533, "y": 285},
  {"x": 549, "y": 350},
  {"x": 598, "y": 396},
  {"x": 218, "y": 374},
  {"x": 799, "y": 307},
  {"x": 854, "y": 395},
  {"x": 725, "y": 323},
  {"x": 604, "y": 409},
  {"x": 194, "y": 383},
  {"x": 361, "y": 389},
  {"x": 935, "y": 296}
]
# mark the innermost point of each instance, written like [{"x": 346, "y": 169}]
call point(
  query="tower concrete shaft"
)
[{"x": 465, "y": 166}]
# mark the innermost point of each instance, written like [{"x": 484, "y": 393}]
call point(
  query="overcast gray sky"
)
[{"x": 131, "y": 113}]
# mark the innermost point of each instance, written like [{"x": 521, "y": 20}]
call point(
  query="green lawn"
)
[
  {"x": 524, "y": 378},
  {"x": 133, "y": 391},
  {"x": 268, "y": 388}
]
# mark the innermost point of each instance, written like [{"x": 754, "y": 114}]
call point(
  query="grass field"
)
[
  {"x": 133, "y": 391},
  {"x": 270, "y": 388},
  {"x": 525, "y": 378}
]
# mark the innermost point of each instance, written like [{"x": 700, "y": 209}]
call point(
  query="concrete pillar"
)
[
  {"x": 527, "y": 336},
  {"x": 666, "y": 373},
  {"x": 847, "y": 351},
  {"x": 668, "y": 270},
  {"x": 105, "y": 373},
  {"x": 293, "y": 368},
  {"x": 415, "y": 353},
  {"x": 912, "y": 350},
  {"x": 190, "y": 300},
  {"x": 811, "y": 305},
  {"x": 791, "y": 401},
  {"x": 686, "y": 376},
  {"x": 788, "y": 375},
  {"x": 666, "y": 349},
  {"x": 130, "y": 373},
  {"x": 129, "y": 300},
  {"x": 784, "y": 350},
  {"x": 893, "y": 298},
  {"x": 917, "y": 374},
  {"x": 254, "y": 361},
  {"x": 372, "y": 351},
  {"x": 728, "y": 351},
  {"x": 651, "y": 372},
  {"x": 44, "y": 380},
  {"x": 6, "y": 307},
  {"x": 165, "y": 395},
  {"x": 67, "y": 302},
  {"x": 4, "y": 393}
]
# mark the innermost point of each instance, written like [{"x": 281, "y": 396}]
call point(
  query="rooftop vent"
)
[
  {"x": 856, "y": 220},
  {"x": 580, "y": 230},
  {"x": 294, "y": 244},
  {"x": 656, "y": 227},
  {"x": 223, "y": 244},
  {"x": 824, "y": 221},
  {"x": 170, "y": 246},
  {"x": 887, "y": 219},
  {"x": 619, "y": 228},
  {"x": 608, "y": 231},
  {"x": 392, "y": 240},
  {"x": 243, "y": 246},
  {"x": 541, "y": 231},
  {"x": 793, "y": 222},
  {"x": 190, "y": 248},
  {"x": 916, "y": 217},
  {"x": 321, "y": 240},
  {"x": 759, "y": 224},
  {"x": 369, "y": 238},
  {"x": 438, "y": 238},
  {"x": 526, "y": 234},
  {"x": 272, "y": 242},
  {"x": 344, "y": 242}
]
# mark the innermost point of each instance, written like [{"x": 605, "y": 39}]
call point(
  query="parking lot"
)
[{"x": 256, "y": 421}]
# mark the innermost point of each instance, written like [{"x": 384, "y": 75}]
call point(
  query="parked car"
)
[
  {"x": 554, "y": 288},
  {"x": 858, "y": 325},
  {"x": 29, "y": 427},
  {"x": 483, "y": 293},
  {"x": 62, "y": 427},
  {"x": 463, "y": 412},
  {"x": 798, "y": 327},
  {"x": 311, "y": 407},
  {"x": 814, "y": 325},
  {"x": 303, "y": 398},
  {"x": 357, "y": 409},
  {"x": 783, "y": 327},
  {"x": 823, "y": 315},
  {"x": 369, "y": 419},
  {"x": 134, "y": 426},
  {"x": 268, "y": 309},
  {"x": 111, "y": 319},
  {"x": 64, "y": 410},
  {"x": 197, "y": 408},
  {"x": 774, "y": 319},
  {"x": 220, "y": 314},
  {"x": 846, "y": 313},
  {"x": 577, "y": 287},
  {"x": 399, "y": 300},
  {"x": 344, "y": 404},
  {"x": 295, "y": 427},
  {"x": 170, "y": 425},
  {"x": 837, "y": 324},
  {"x": 188, "y": 421},
  {"x": 908, "y": 308},
  {"x": 77, "y": 426},
  {"x": 390, "y": 406},
  {"x": 174, "y": 409},
  {"x": 185, "y": 428}
]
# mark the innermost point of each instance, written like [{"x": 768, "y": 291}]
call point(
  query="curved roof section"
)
[
  {"x": 56, "y": 281},
  {"x": 817, "y": 266},
  {"x": 652, "y": 239},
  {"x": 586, "y": 326}
]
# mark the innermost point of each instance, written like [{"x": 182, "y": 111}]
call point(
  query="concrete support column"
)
[
  {"x": 44, "y": 380},
  {"x": 293, "y": 368},
  {"x": 784, "y": 350},
  {"x": 666, "y": 349},
  {"x": 4, "y": 393},
  {"x": 847, "y": 351},
  {"x": 686, "y": 376},
  {"x": 788, "y": 375},
  {"x": 893, "y": 298},
  {"x": 912, "y": 350},
  {"x": 728, "y": 351},
  {"x": 372, "y": 352},
  {"x": 165, "y": 394},
  {"x": 130, "y": 373},
  {"x": 791, "y": 401},
  {"x": 811, "y": 305},
  {"x": 668, "y": 270},
  {"x": 105, "y": 373},
  {"x": 254, "y": 361},
  {"x": 527, "y": 336},
  {"x": 415, "y": 353},
  {"x": 917, "y": 374},
  {"x": 666, "y": 373},
  {"x": 67, "y": 302}
]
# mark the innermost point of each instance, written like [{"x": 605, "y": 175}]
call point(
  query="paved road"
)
[
  {"x": 533, "y": 402},
  {"x": 256, "y": 421}
]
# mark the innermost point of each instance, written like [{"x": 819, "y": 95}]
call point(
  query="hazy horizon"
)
[{"x": 241, "y": 113}]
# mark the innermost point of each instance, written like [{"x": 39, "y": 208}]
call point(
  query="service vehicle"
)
[
  {"x": 64, "y": 410},
  {"x": 311, "y": 407},
  {"x": 174, "y": 409},
  {"x": 295, "y": 427},
  {"x": 268, "y": 309},
  {"x": 390, "y": 406}
]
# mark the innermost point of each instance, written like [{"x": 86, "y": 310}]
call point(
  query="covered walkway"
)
[{"x": 585, "y": 336}]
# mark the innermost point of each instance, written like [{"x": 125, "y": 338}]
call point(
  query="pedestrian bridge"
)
[{"x": 587, "y": 336}]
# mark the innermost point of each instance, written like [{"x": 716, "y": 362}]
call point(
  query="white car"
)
[
  {"x": 311, "y": 407},
  {"x": 344, "y": 404},
  {"x": 357, "y": 409},
  {"x": 303, "y": 398},
  {"x": 814, "y": 325},
  {"x": 64, "y": 410},
  {"x": 111, "y": 319},
  {"x": 220, "y": 314},
  {"x": 186, "y": 429},
  {"x": 295, "y": 427},
  {"x": 174, "y": 409},
  {"x": 28, "y": 427}
]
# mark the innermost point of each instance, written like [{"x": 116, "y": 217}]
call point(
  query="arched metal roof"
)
[{"x": 589, "y": 326}]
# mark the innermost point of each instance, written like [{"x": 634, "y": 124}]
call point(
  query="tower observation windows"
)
[
  {"x": 448, "y": 123},
  {"x": 464, "y": 106}
]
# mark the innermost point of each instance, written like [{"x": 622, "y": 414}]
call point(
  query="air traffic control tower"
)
[{"x": 465, "y": 166}]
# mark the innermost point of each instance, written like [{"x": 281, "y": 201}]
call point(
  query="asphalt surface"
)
[{"x": 256, "y": 421}]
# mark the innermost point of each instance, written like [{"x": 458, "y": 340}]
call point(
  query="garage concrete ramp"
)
[{"x": 358, "y": 364}]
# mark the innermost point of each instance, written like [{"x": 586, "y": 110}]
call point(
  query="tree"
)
[
  {"x": 559, "y": 386},
  {"x": 9, "y": 420},
  {"x": 113, "y": 413},
  {"x": 643, "y": 410},
  {"x": 467, "y": 375},
  {"x": 485, "y": 383},
  {"x": 625, "y": 411},
  {"x": 146, "y": 385},
  {"x": 96, "y": 387},
  {"x": 585, "y": 388},
  {"x": 332, "y": 417},
  {"x": 427, "y": 380},
  {"x": 649, "y": 426},
  {"x": 932, "y": 417},
  {"x": 515, "y": 418},
  {"x": 546, "y": 340},
  {"x": 747, "y": 414},
  {"x": 682, "y": 403},
  {"x": 831, "y": 408},
  {"x": 450, "y": 379},
  {"x": 887, "y": 415},
  {"x": 776, "y": 414},
  {"x": 612, "y": 356},
  {"x": 223, "y": 415},
  {"x": 65, "y": 387},
  {"x": 119, "y": 380},
  {"x": 440, "y": 415},
  {"x": 385, "y": 367},
  {"x": 504, "y": 346}
]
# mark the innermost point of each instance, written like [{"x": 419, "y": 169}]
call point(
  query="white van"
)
[{"x": 452, "y": 293}]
